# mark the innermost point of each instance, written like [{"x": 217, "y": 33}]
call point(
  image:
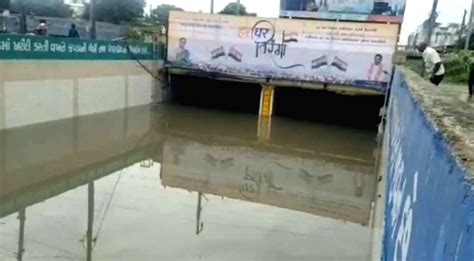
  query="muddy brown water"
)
[{"x": 180, "y": 183}]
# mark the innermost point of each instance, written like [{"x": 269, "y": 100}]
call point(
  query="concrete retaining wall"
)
[
  {"x": 46, "y": 79},
  {"x": 34, "y": 91},
  {"x": 429, "y": 199}
]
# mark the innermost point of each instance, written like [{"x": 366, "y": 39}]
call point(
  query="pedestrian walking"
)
[
  {"x": 73, "y": 33},
  {"x": 434, "y": 68}
]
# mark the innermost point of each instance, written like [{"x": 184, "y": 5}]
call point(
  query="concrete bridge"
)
[{"x": 342, "y": 57}]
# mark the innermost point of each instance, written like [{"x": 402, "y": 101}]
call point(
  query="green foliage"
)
[
  {"x": 234, "y": 9},
  {"x": 458, "y": 66},
  {"x": 161, "y": 13},
  {"x": 50, "y": 8},
  {"x": 139, "y": 34},
  {"x": 462, "y": 41},
  {"x": 415, "y": 65},
  {"x": 133, "y": 34},
  {"x": 117, "y": 11}
]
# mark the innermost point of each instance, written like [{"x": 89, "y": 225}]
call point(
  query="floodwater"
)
[{"x": 180, "y": 183}]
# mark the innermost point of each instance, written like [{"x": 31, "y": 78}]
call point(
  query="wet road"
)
[{"x": 179, "y": 183}]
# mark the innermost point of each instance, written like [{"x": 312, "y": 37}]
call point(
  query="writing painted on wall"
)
[{"x": 33, "y": 47}]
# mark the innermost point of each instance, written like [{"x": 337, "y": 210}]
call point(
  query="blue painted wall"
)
[{"x": 429, "y": 203}]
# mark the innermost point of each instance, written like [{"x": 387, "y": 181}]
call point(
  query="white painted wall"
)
[
  {"x": 2, "y": 106},
  {"x": 101, "y": 94},
  {"x": 30, "y": 102},
  {"x": 139, "y": 91},
  {"x": 53, "y": 90}
]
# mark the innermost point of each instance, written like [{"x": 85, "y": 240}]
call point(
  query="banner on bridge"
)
[
  {"x": 356, "y": 54},
  {"x": 354, "y": 10}
]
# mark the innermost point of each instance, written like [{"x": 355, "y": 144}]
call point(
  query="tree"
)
[
  {"x": 4, "y": 4},
  {"x": 50, "y": 8},
  {"x": 461, "y": 42},
  {"x": 162, "y": 12},
  {"x": 117, "y": 11},
  {"x": 234, "y": 9}
]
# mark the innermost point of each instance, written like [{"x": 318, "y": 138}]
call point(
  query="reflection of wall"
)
[
  {"x": 41, "y": 155},
  {"x": 41, "y": 91},
  {"x": 334, "y": 142},
  {"x": 443, "y": 35},
  {"x": 309, "y": 185}
]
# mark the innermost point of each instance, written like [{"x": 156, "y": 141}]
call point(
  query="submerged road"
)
[{"x": 180, "y": 183}]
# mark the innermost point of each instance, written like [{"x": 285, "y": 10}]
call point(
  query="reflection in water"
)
[
  {"x": 199, "y": 223},
  {"x": 316, "y": 169},
  {"x": 90, "y": 220},
  {"x": 97, "y": 180},
  {"x": 21, "y": 234},
  {"x": 293, "y": 181}
]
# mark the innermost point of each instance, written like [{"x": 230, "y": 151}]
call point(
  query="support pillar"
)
[
  {"x": 90, "y": 220},
  {"x": 199, "y": 223},
  {"x": 266, "y": 111},
  {"x": 21, "y": 237},
  {"x": 266, "y": 101},
  {"x": 264, "y": 128}
]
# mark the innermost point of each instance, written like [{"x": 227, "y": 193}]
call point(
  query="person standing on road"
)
[
  {"x": 434, "y": 68},
  {"x": 42, "y": 28},
  {"x": 73, "y": 33}
]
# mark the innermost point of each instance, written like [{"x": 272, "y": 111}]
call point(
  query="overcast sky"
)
[{"x": 417, "y": 10}]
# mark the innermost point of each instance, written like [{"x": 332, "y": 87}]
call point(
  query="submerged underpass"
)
[
  {"x": 79, "y": 143},
  {"x": 315, "y": 105}
]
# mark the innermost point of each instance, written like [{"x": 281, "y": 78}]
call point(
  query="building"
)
[
  {"x": 443, "y": 35},
  {"x": 78, "y": 6}
]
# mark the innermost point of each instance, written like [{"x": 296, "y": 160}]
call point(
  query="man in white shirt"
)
[
  {"x": 433, "y": 64},
  {"x": 376, "y": 71}
]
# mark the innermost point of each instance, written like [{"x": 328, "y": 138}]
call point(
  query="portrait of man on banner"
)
[
  {"x": 183, "y": 55},
  {"x": 376, "y": 69}
]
